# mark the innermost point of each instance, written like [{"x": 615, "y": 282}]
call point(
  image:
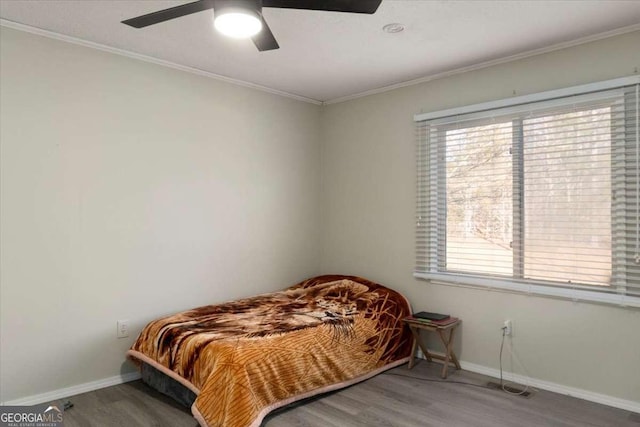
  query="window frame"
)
[{"x": 614, "y": 294}]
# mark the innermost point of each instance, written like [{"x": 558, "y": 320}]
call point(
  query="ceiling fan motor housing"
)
[{"x": 241, "y": 6}]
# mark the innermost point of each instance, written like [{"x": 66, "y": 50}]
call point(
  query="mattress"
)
[{"x": 243, "y": 359}]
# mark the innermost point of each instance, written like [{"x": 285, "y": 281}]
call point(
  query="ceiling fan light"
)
[{"x": 237, "y": 23}]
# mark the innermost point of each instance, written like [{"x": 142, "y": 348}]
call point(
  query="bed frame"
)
[{"x": 167, "y": 385}]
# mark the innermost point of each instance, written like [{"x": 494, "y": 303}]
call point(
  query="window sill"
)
[{"x": 573, "y": 294}]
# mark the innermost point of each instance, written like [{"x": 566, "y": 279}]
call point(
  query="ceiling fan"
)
[{"x": 243, "y": 18}]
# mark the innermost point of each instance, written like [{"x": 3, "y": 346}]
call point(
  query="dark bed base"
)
[{"x": 167, "y": 385}]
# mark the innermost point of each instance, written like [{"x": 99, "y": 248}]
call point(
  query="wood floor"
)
[{"x": 396, "y": 398}]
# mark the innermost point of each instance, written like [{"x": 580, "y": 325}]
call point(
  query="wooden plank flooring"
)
[{"x": 397, "y": 398}]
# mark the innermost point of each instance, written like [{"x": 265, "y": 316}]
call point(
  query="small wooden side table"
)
[{"x": 450, "y": 357}]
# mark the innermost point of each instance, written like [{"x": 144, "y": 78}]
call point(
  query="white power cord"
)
[{"x": 503, "y": 385}]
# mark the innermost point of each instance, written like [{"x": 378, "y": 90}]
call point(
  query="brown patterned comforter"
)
[{"x": 246, "y": 358}]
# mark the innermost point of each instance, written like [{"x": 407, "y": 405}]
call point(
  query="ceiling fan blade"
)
[
  {"x": 167, "y": 14},
  {"x": 352, "y": 6},
  {"x": 265, "y": 40}
]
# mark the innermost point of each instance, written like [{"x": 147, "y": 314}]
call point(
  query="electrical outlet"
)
[
  {"x": 508, "y": 327},
  {"x": 123, "y": 329}
]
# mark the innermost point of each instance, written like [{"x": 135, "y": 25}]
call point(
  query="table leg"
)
[
  {"x": 454, "y": 358},
  {"x": 449, "y": 355},
  {"x": 416, "y": 340},
  {"x": 423, "y": 347},
  {"x": 414, "y": 344}
]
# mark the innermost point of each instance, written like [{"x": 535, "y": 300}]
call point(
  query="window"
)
[{"x": 537, "y": 195}]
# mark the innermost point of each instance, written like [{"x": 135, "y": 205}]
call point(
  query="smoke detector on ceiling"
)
[{"x": 393, "y": 28}]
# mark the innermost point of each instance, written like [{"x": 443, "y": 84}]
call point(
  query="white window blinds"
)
[{"x": 535, "y": 196}]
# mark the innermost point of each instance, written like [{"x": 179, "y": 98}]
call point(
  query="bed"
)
[{"x": 233, "y": 363}]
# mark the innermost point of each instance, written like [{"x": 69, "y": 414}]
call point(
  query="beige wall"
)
[
  {"x": 368, "y": 202},
  {"x": 130, "y": 191}
]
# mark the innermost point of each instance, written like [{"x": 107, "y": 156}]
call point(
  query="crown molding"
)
[
  {"x": 478, "y": 66},
  {"x": 491, "y": 63},
  {"x": 152, "y": 60}
]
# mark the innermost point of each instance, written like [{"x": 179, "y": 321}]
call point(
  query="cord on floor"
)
[{"x": 504, "y": 385}]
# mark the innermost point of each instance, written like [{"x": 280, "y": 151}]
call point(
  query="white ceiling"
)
[{"x": 326, "y": 56}]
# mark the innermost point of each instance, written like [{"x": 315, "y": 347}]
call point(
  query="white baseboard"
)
[
  {"x": 73, "y": 390},
  {"x": 628, "y": 405},
  {"x": 604, "y": 399},
  {"x": 591, "y": 396}
]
